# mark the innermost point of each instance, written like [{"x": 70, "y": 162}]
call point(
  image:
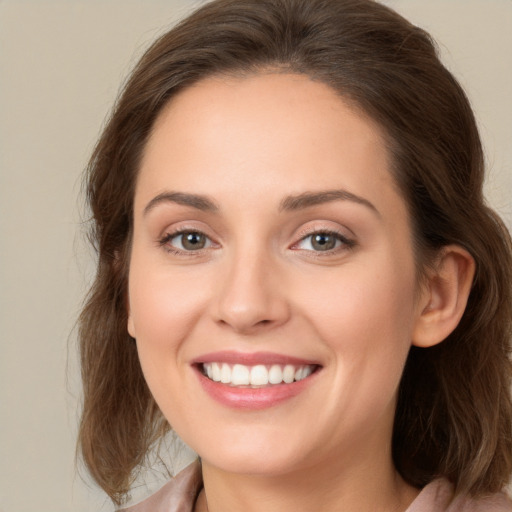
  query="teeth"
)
[
  {"x": 288, "y": 373},
  {"x": 225, "y": 374},
  {"x": 255, "y": 376},
  {"x": 259, "y": 375},
  {"x": 215, "y": 372},
  {"x": 303, "y": 372},
  {"x": 240, "y": 375},
  {"x": 275, "y": 374}
]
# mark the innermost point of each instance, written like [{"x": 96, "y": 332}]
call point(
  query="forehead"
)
[
  {"x": 268, "y": 134},
  {"x": 266, "y": 103}
]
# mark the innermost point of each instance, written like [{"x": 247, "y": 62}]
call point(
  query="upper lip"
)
[{"x": 251, "y": 358}]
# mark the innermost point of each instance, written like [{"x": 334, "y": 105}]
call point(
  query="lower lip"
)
[{"x": 253, "y": 398}]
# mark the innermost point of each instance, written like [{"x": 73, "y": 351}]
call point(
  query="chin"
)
[
  {"x": 252, "y": 464},
  {"x": 253, "y": 455}
]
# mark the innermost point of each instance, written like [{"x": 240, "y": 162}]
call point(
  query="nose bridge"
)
[{"x": 249, "y": 297}]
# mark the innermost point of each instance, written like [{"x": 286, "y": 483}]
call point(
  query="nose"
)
[{"x": 251, "y": 296}]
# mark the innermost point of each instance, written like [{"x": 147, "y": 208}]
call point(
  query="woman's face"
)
[{"x": 271, "y": 250}]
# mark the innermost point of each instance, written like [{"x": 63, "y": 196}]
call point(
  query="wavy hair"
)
[{"x": 454, "y": 413}]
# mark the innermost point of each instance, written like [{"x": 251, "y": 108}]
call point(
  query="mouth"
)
[
  {"x": 254, "y": 381},
  {"x": 256, "y": 376}
]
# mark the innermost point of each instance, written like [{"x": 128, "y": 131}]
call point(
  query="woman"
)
[{"x": 297, "y": 271}]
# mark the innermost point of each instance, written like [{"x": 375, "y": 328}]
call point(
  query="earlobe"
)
[
  {"x": 118, "y": 264},
  {"x": 130, "y": 324},
  {"x": 131, "y": 327},
  {"x": 444, "y": 297}
]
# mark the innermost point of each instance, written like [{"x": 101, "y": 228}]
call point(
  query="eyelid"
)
[
  {"x": 347, "y": 242},
  {"x": 179, "y": 234},
  {"x": 170, "y": 233}
]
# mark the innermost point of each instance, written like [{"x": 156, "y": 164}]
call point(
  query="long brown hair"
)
[{"x": 454, "y": 413}]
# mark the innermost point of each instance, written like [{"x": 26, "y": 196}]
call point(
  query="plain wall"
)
[{"x": 61, "y": 63}]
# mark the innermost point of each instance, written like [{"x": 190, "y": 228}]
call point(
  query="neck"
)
[{"x": 332, "y": 486}]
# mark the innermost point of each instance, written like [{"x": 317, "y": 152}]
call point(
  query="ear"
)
[
  {"x": 444, "y": 297},
  {"x": 131, "y": 327},
  {"x": 117, "y": 265}
]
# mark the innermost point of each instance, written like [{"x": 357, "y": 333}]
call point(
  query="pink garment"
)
[
  {"x": 177, "y": 495},
  {"x": 180, "y": 494},
  {"x": 437, "y": 495}
]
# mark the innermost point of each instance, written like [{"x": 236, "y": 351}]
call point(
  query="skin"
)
[{"x": 259, "y": 285}]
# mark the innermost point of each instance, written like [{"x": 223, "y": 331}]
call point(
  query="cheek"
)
[
  {"x": 365, "y": 318},
  {"x": 164, "y": 311},
  {"x": 367, "y": 302},
  {"x": 165, "y": 305}
]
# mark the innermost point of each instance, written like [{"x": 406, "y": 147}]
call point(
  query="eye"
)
[
  {"x": 186, "y": 241},
  {"x": 323, "y": 241}
]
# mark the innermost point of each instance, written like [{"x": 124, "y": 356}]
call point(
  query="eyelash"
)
[
  {"x": 164, "y": 242},
  {"x": 346, "y": 243}
]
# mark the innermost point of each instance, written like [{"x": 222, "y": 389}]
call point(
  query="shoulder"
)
[
  {"x": 438, "y": 497},
  {"x": 498, "y": 502},
  {"x": 177, "y": 495}
]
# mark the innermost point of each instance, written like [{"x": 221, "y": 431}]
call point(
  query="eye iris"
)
[
  {"x": 193, "y": 241},
  {"x": 323, "y": 242}
]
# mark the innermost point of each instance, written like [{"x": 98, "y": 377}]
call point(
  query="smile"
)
[
  {"x": 256, "y": 376},
  {"x": 254, "y": 381}
]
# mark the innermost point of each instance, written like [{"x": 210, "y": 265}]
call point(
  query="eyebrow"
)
[
  {"x": 289, "y": 203},
  {"x": 197, "y": 201},
  {"x": 308, "y": 199}
]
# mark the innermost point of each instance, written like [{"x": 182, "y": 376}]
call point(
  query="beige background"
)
[{"x": 61, "y": 63}]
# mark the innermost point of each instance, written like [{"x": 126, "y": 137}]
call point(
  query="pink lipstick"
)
[{"x": 254, "y": 381}]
